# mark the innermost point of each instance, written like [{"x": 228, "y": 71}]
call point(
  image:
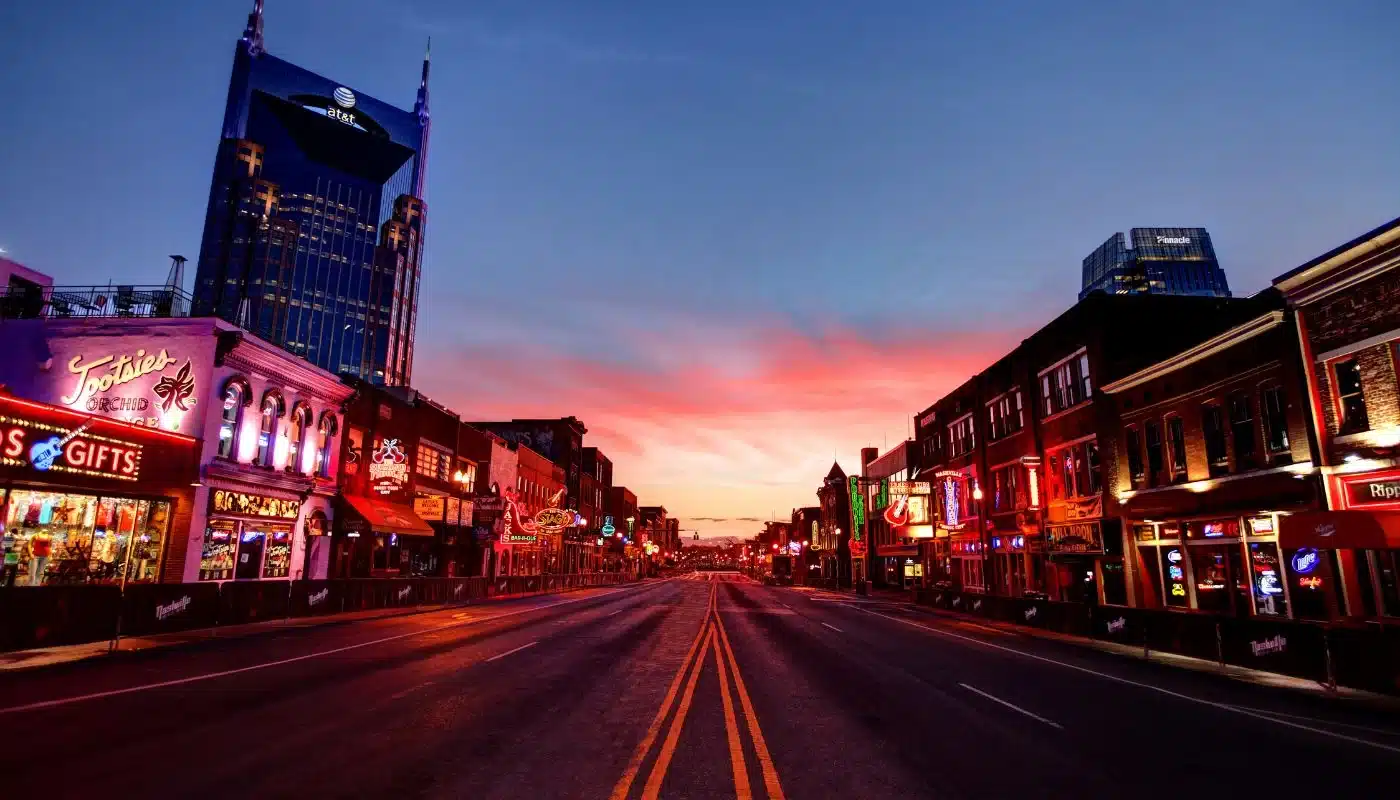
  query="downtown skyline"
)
[{"x": 734, "y": 261}]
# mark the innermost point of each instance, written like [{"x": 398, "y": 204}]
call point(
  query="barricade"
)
[
  {"x": 315, "y": 598},
  {"x": 1289, "y": 648},
  {"x": 1119, "y": 624},
  {"x": 169, "y": 607},
  {"x": 252, "y": 601},
  {"x": 46, "y": 616},
  {"x": 1366, "y": 656}
]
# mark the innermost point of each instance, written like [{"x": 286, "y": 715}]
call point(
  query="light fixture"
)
[
  {"x": 1351, "y": 458},
  {"x": 977, "y": 493}
]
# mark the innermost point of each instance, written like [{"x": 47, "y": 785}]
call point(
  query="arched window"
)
[
  {"x": 272, "y": 409},
  {"x": 329, "y": 427},
  {"x": 236, "y": 398},
  {"x": 299, "y": 437}
]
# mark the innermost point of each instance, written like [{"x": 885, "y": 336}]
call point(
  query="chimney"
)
[{"x": 868, "y": 454}]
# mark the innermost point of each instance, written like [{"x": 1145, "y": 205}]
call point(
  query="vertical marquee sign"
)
[
  {"x": 388, "y": 467},
  {"x": 857, "y": 517}
]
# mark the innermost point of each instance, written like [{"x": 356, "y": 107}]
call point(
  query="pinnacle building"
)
[
  {"x": 313, "y": 237},
  {"x": 1161, "y": 261}
]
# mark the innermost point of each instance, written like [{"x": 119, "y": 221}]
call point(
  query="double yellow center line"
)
[{"x": 712, "y": 635}]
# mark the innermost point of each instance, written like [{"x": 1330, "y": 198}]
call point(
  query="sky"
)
[{"x": 737, "y": 239}]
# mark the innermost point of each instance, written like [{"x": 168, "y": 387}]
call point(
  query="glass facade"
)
[
  {"x": 1160, "y": 261},
  {"x": 313, "y": 237},
  {"x": 63, "y": 538}
]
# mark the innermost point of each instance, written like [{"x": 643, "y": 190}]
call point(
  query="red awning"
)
[
  {"x": 1340, "y": 530},
  {"x": 389, "y": 517}
]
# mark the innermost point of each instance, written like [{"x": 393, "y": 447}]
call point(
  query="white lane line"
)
[
  {"x": 1012, "y": 706},
  {"x": 1367, "y": 728},
  {"x": 511, "y": 652},
  {"x": 615, "y": 613},
  {"x": 63, "y": 701},
  {"x": 1147, "y": 686},
  {"x": 833, "y": 627},
  {"x": 463, "y": 615},
  {"x": 785, "y": 605},
  {"x": 407, "y": 692}
]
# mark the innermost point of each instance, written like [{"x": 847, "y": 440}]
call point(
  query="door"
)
[{"x": 250, "y": 554}]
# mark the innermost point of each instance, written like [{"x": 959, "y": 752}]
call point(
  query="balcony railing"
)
[{"x": 65, "y": 302}]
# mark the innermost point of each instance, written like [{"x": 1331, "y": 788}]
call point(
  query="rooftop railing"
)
[{"x": 65, "y": 302}]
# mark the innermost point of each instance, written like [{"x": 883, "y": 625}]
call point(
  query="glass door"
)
[{"x": 250, "y": 553}]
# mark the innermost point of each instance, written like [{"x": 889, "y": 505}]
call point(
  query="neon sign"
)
[
  {"x": 44, "y": 447},
  {"x": 1305, "y": 560},
  {"x": 388, "y": 467},
  {"x": 94, "y": 379},
  {"x": 1313, "y": 582}
]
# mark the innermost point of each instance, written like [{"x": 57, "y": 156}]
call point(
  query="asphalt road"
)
[{"x": 596, "y": 694}]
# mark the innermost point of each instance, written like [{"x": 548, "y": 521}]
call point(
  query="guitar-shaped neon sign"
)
[{"x": 42, "y": 455}]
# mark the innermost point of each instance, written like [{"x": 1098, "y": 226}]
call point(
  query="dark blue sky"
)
[{"x": 660, "y": 186}]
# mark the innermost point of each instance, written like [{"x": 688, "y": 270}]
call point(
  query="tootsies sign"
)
[
  {"x": 1374, "y": 492},
  {"x": 44, "y": 447}
]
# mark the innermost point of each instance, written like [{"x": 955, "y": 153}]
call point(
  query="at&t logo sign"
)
[{"x": 344, "y": 101}]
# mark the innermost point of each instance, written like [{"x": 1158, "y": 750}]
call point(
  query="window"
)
[
  {"x": 1134, "y": 445},
  {"x": 1214, "y": 424},
  {"x": 1275, "y": 423},
  {"x": 298, "y": 438},
  {"x": 328, "y": 429},
  {"x": 1005, "y": 415},
  {"x": 1066, "y": 384},
  {"x": 1153, "y": 434},
  {"x": 961, "y": 436},
  {"x": 267, "y": 435},
  {"x": 1076, "y": 471},
  {"x": 1176, "y": 437},
  {"x": 1242, "y": 431},
  {"x": 230, "y": 421},
  {"x": 1350, "y": 397},
  {"x": 1005, "y": 493},
  {"x": 433, "y": 462}
]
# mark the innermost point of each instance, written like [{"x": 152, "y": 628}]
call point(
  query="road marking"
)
[
  {"x": 463, "y": 615},
  {"x": 731, "y": 730},
  {"x": 411, "y": 690},
  {"x": 833, "y": 627},
  {"x": 624, "y": 784},
  {"x": 1012, "y": 706},
  {"x": 511, "y": 652},
  {"x": 615, "y": 613},
  {"x": 765, "y": 761},
  {"x": 1367, "y": 728},
  {"x": 785, "y": 605},
  {"x": 1148, "y": 686},
  {"x": 63, "y": 701},
  {"x": 668, "y": 748}
]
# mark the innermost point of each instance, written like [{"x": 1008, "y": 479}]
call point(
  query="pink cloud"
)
[{"x": 737, "y": 422}]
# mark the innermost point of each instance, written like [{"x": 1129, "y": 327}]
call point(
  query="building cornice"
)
[
  {"x": 1366, "y": 258},
  {"x": 1198, "y": 353},
  {"x": 252, "y": 355}
]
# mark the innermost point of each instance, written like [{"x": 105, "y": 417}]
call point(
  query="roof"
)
[
  {"x": 836, "y": 472},
  {"x": 1339, "y": 250}
]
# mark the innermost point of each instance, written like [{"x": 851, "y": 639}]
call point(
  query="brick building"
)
[
  {"x": 1347, "y": 303},
  {"x": 832, "y": 543},
  {"x": 1213, "y": 450},
  {"x": 539, "y": 481}
]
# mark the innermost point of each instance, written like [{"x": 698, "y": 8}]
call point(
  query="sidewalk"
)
[
  {"x": 50, "y": 656},
  {"x": 1243, "y": 674}
]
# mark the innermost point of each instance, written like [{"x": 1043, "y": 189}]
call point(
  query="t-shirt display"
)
[{"x": 59, "y": 538}]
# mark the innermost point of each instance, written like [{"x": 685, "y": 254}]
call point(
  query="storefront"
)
[
  {"x": 1222, "y": 565},
  {"x": 1018, "y": 563},
  {"x": 1343, "y": 563},
  {"x": 1079, "y": 558},
  {"x": 380, "y": 539},
  {"x": 88, "y": 500},
  {"x": 248, "y": 536}
]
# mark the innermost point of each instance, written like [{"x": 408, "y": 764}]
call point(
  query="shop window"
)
[
  {"x": 1350, "y": 398},
  {"x": 962, "y": 436},
  {"x": 1133, "y": 443},
  {"x": 1153, "y": 434},
  {"x": 1242, "y": 431},
  {"x": 1266, "y": 574},
  {"x": 1387, "y": 572},
  {"x": 56, "y": 538},
  {"x": 1004, "y": 488},
  {"x": 1177, "y": 593},
  {"x": 230, "y": 420},
  {"x": 1276, "y": 426},
  {"x": 1176, "y": 437},
  {"x": 1213, "y": 423}
]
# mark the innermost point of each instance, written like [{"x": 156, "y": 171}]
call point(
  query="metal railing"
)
[{"x": 64, "y": 302}]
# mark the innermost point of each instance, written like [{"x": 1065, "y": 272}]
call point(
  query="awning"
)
[
  {"x": 389, "y": 517},
  {"x": 1340, "y": 530},
  {"x": 897, "y": 550}
]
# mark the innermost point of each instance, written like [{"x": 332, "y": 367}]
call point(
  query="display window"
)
[
  {"x": 59, "y": 538},
  {"x": 245, "y": 550}
]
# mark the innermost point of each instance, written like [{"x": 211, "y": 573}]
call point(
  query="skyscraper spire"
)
[
  {"x": 420, "y": 107},
  {"x": 253, "y": 34}
]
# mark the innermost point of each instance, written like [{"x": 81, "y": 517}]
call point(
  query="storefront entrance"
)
[
  {"x": 64, "y": 538},
  {"x": 250, "y": 553}
]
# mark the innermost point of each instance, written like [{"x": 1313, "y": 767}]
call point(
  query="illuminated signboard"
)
[
  {"x": 44, "y": 447},
  {"x": 1306, "y": 560},
  {"x": 857, "y": 516},
  {"x": 388, "y": 467},
  {"x": 1176, "y": 575},
  {"x": 1373, "y": 492},
  {"x": 253, "y": 505},
  {"x": 143, "y": 388},
  {"x": 553, "y": 520},
  {"x": 906, "y": 488}
]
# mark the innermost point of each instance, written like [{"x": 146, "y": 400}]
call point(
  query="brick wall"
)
[{"x": 178, "y": 538}]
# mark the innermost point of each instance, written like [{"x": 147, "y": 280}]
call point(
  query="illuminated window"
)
[
  {"x": 1176, "y": 437},
  {"x": 328, "y": 429},
  {"x": 267, "y": 434},
  {"x": 231, "y": 416},
  {"x": 433, "y": 462},
  {"x": 1133, "y": 442},
  {"x": 1350, "y": 397},
  {"x": 1213, "y": 423},
  {"x": 1275, "y": 424}
]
